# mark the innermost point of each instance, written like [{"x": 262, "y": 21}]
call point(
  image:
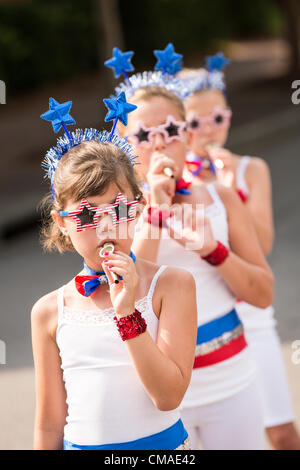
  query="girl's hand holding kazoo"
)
[{"x": 122, "y": 294}]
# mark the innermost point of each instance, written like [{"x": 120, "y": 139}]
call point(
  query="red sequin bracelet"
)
[
  {"x": 157, "y": 216},
  {"x": 131, "y": 326},
  {"x": 217, "y": 256}
]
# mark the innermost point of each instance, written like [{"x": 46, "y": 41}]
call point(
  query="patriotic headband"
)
[
  {"x": 168, "y": 64},
  {"x": 58, "y": 115},
  {"x": 210, "y": 78}
]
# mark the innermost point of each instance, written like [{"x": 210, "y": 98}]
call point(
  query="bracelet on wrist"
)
[
  {"x": 131, "y": 326},
  {"x": 157, "y": 216},
  {"x": 217, "y": 256}
]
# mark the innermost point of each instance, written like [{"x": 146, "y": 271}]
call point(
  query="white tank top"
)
[
  {"x": 240, "y": 175},
  {"x": 214, "y": 299},
  {"x": 106, "y": 399},
  {"x": 254, "y": 318}
]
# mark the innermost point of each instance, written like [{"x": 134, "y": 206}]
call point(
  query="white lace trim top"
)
[{"x": 106, "y": 399}]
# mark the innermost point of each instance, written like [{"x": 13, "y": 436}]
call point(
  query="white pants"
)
[{"x": 235, "y": 423}]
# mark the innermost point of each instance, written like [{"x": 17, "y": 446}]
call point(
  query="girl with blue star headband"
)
[
  {"x": 222, "y": 404},
  {"x": 250, "y": 178},
  {"x": 205, "y": 82},
  {"x": 107, "y": 353}
]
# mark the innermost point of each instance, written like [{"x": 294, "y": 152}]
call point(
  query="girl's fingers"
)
[
  {"x": 122, "y": 272},
  {"x": 175, "y": 237},
  {"x": 159, "y": 166},
  {"x": 108, "y": 273},
  {"x": 121, "y": 258},
  {"x": 117, "y": 262}
]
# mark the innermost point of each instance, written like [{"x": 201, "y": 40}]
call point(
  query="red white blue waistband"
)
[
  {"x": 219, "y": 340},
  {"x": 174, "y": 437}
]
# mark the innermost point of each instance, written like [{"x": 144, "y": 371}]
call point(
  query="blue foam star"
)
[
  {"x": 176, "y": 67},
  {"x": 168, "y": 60},
  {"x": 118, "y": 108},
  {"x": 58, "y": 114},
  {"x": 120, "y": 62},
  {"x": 217, "y": 62}
]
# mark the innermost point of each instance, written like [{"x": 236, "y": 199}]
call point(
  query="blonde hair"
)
[
  {"x": 86, "y": 170},
  {"x": 155, "y": 91}
]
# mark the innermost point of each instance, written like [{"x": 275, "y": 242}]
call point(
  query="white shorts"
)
[
  {"x": 265, "y": 348},
  {"x": 235, "y": 423},
  {"x": 264, "y": 345}
]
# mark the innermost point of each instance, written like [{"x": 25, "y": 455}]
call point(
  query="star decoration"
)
[
  {"x": 217, "y": 62},
  {"x": 118, "y": 108},
  {"x": 142, "y": 135},
  {"x": 122, "y": 209},
  {"x": 86, "y": 217},
  {"x": 176, "y": 67},
  {"x": 58, "y": 114},
  {"x": 172, "y": 129},
  {"x": 120, "y": 62},
  {"x": 168, "y": 60}
]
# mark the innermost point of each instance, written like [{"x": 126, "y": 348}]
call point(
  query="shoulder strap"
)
[
  {"x": 240, "y": 174},
  {"x": 214, "y": 195},
  {"x": 60, "y": 301},
  {"x": 153, "y": 283}
]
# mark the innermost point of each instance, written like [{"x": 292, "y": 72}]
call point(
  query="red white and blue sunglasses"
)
[
  {"x": 217, "y": 119},
  {"x": 90, "y": 217},
  {"x": 170, "y": 130}
]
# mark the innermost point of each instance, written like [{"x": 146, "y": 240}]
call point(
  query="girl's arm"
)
[
  {"x": 245, "y": 270},
  {"x": 259, "y": 202},
  {"x": 164, "y": 367},
  {"x": 51, "y": 407}
]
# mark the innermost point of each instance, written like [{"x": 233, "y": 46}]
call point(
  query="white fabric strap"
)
[
  {"x": 60, "y": 302},
  {"x": 153, "y": 283},
  {"x": 215, "y": 196},
  {"x": 240, "y": 174}
]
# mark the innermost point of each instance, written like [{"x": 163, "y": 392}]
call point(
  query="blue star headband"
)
[
  {"x": 211, "y": 78},
  {"x": 168, "y": 64},
  {"x": 59, "y": 116},
  {"x": 120, "y": 63}
]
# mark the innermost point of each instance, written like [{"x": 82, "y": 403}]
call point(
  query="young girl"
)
[
  {"x": 208, "y": 118},
  {"x": 112, "y": 362},
  {"x": 221, "y": 406}
]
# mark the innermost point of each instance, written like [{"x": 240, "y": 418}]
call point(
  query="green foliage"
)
[
  {"x": 48, "y": 40},
  {"x": 42, "y": 40},
  {"x": 195, "y": 26}
]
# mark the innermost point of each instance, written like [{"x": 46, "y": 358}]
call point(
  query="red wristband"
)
[
  {"x": 131, "y": 326},
  {"x": 157, "y": 216},
  {"x": 217, "y": 256}
]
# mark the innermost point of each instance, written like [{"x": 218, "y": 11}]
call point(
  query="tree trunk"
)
[
  {"x": 110, "y": 32},
  {"x": 291, "y": 12}
]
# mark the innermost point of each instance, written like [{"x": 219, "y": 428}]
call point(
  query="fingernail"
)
[
  {"x": 106, "y": 261},
  {"x": 110, "y": 266},
  {"x": 106, "y": 253}
]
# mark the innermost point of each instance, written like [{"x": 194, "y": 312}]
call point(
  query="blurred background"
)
[{"x": 57, "y": 49}]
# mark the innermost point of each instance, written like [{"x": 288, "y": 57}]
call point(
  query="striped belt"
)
[
  {"x": 174, "y": 437},
  {"x": 219, "y": 340}
]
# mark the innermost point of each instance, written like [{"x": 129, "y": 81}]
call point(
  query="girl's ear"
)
[{"x": 59, "y": 220}]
